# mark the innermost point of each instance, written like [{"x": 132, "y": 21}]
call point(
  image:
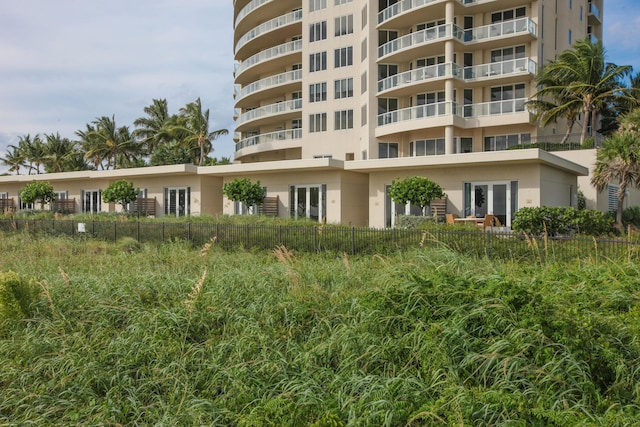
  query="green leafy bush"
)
[
  {"x": 245, "y": 191},
  {"x": 121, "y": 192},
  {"x": 413, "y": 221},
  {"x": 631, "y": 216},
  {"x": 37, "y": 191},
  {"x": 417, "y": 190},
  {"x": 17, "y": 297},
  {"x": 562, "y": 220}
]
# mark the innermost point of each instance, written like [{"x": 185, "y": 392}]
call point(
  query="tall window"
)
[
  {"x": 343, "y": 120},
  {"x": 91, "y": 201},
  {"x": 318, "y": 31},
  {"x": 318, "y": 92},
  {"x": 512, "y": 97},
  {"x": 387, "y": 150},
  {"x": 317, "y": 61},
  {"x": 317, "y": 122},
  {"x": 343, "y": 57},
  {"x": 317, "y": 4},
  {"x": 427, "y": 147},
  {"x": 387, "y": 70},
  {"x": 343, "y": 88},
  {"x": 508, "y": 15},
  {"x": 502, "y": 142},
  {"x": 385, "y": 36},
  {"x": 343, "y": 25},
  {"x": 339, "y": 2},
  {"x": 177, "y": 201}
]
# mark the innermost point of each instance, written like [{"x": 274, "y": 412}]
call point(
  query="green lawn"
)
[{"x": 167, "y": 334}]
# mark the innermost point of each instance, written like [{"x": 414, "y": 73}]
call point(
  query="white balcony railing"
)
[
  {"x": 419, "y": 37},
  {"x": 415, "y": 113},
  {"x": 249, "y": 8},
  {"x": 496, "y": 69},
  {"x": 401, "y": 7},
  {"x": 265, "y": 27},
  {"x": 493, "y": 108},
  {"x": 418, "y": 75},
  {"x": 500, "y": 29},
  {"x": 281, "y": 135},
  {"x": 451, "y": 108},
  {"x": 273, "y": 81},
  {"x": 265, "y": 55},
  {"x": 270, "y": 110}
]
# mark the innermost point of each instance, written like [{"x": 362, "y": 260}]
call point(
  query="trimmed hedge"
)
[{"x": 562, "y": 220}]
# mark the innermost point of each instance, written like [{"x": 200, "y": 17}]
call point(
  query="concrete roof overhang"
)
[
  {"x": 280, "y": 166},
  {"x": 129, "y": 173},
  {"x": 483, "y": 159}
]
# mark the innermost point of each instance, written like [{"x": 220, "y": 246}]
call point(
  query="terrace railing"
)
[{"x": 493, "y": 244}]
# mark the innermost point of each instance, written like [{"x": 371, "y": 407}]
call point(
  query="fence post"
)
[
  {"x": 488, "y": 250},
  {"x": 138, "y": 231},
  {"x": 163, "y": 232},
  {"x": 353, "y": 240},
  {"x": 188, "y": 231},
  {"x": 115, "y": 231}
]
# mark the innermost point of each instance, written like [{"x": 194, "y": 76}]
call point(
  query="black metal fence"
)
[{"x": 351, "y": 240}]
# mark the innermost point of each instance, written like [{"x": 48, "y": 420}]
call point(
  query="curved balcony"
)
[
  {"x": 281, "y": 22},
  {"x": 276, "y": 56},
  {"x": 405, "y": 83},
  {"x": 267, "y": 85},
  {"x": 507, "y": 32},
  {"x": 515, "y": 31},
  {"x": 283, "y": 110},
  {"x": 270, "y": 138},
  {"x": 503, "y": 70},
  {"x": 393, "y": 49},
  {"x": 250, "y": 7},
  {"x": 496, "y": 113},
  {"x": 403, "y": 7}
]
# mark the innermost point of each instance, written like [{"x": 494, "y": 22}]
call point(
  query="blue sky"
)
[{"x": 65, "y": 62}]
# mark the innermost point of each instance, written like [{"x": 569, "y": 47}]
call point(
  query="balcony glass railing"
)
[
  {"x": 500, "y": 29},
  {"x": 515, "y": 66},
  {"x": 270, "y": 110},
  {"x": 249, "y": 8},
  {"x": 281, "y": 135},
  {"x": 416, "y": 113},
  {"x": 419, "y": 37},
  {"x": 492, "y": 108},
  {"x": 400, "y": 7},
  {"x": 593, "y": 10},
  {"x": 451, "y": 108},
  {"x": 265, "y": 27},
  {"x": 417, "y": 75},
  {"x": 277, "y": 80},
  {"x": 265, "y": 55}
]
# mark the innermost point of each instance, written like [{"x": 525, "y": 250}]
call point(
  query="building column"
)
[{"x": 449, "y": 146}]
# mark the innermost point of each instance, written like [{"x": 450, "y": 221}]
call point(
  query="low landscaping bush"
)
[
  {"x": 631, "y": 216},
  {"x": 562, "y": 220}
]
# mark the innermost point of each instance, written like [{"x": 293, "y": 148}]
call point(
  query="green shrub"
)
[
  {"x": 631, "y": 216},
  {"x": 413, "y": 221},
  {"x": 17, "y": 297},
  {"x": 562, "y": 220}
]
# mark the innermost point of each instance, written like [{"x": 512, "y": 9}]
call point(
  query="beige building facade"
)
[{"x": 334, "y": 99}]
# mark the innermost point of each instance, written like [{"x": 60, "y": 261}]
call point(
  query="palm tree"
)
[
  {"x": 581, "y": 80},
  {"x": 618, "y": 162},
  {"x": 14, "y": 159},
  {"x": 107, "y": 145},
  {"x": 33, "y": 151},
  {"x": 151, "y": 130},
  {"x": 191, "y": 127},
  {"x": 59, "y": 152}
]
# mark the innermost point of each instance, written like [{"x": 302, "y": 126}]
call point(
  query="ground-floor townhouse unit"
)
[{"x": 338, "y": 191}]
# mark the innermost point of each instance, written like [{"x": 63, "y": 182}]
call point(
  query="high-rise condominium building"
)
[{"x": 363, "y": 79}]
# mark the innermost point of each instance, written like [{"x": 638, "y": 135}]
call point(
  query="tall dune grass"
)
[{"x": 172, "y": 335}]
